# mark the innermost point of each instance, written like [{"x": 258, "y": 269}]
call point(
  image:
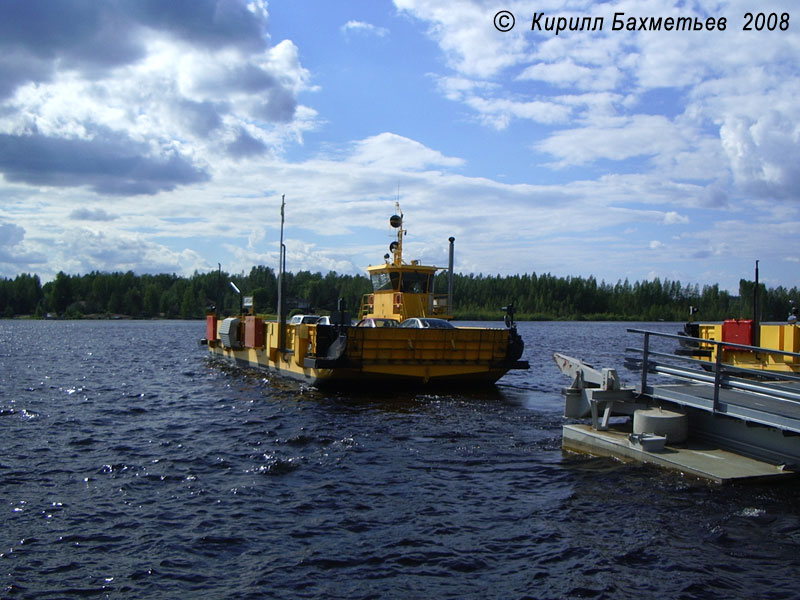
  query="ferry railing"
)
[
  {"x": 440, "y": 305},
  {"x": 717, "y": 373},
  {"x": 367, "y": 302}
]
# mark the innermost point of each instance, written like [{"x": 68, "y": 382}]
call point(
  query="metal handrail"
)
[
  {"x": 678, "y": 336},
  {"x": 726, "y": 368},
  {"x": 721, "y": 375}
]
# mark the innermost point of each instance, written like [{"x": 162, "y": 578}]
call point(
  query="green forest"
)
[{"x": 476, "y": 297}]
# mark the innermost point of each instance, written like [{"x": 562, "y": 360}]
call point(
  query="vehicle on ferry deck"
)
[
  {"x": 304, "y": 320},
  {"x": 416, "y": 323},
  {"x": 377, "y": 322}
]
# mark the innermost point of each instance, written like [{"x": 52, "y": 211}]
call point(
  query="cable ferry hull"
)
[{"x": 325, "y": 355}]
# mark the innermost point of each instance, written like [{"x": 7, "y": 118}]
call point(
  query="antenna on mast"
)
[{"x": 396, "y": 248}]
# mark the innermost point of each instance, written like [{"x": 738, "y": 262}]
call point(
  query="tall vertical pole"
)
[
  {"x": 450, "y": 279},
  {"x": 645, "y": 360},
  {"x": 281, "y": 299},
  {"x": 756, "y": 313},
  {"x": 219, "y": 289}
]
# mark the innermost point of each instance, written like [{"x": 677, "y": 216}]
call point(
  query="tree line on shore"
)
[{"x": 476, "y": 297}]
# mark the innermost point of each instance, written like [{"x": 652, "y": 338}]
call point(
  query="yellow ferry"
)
[
  {"x": 403, "y": 335},
  {"x": 745, "y": 343},
  {"x": 769, "y": 346}
]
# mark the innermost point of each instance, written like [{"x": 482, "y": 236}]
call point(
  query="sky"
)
[{"x": 160, "y": 137}]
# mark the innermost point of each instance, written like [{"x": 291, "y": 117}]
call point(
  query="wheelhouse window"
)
[
  {"x": 416, "y": 283},
  {"x": 385, "y": 281},
  {"x": 402, "y": 281}
]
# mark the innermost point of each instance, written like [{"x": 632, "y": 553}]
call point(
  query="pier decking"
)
[
  {"x": 753, "y": 407},
  {"x": 697, "y": 458}
]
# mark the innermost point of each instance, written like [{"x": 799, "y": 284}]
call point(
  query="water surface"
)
[{"x": 133, "y": 467}]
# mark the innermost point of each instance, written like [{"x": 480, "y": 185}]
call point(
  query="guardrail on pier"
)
[{"x": 779, "y": 392}]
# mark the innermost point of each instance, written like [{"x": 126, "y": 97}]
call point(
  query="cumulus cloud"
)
[
  {"x": 365, "y": 28},
  {"x": 246, "y": 145},
  {"x": 135, "y": 135},
  {"x": 39, "y": 34},
  {"x": 500, "y": 112},
  {"x": 104, "y": 101},
  {"x": 615, "y": 139},
  {"x": 567, "y": 73},
  {"x": 135, "y": 98},
  {"x": 13, "y": 252},
  {"x": 10, "y": 234},
  {"x": 94, "y": 38},
  {"x": 673, "y": 218},
  {"x": 388, "y": 150},
  {"x": 83, "y": 250},
  {"x": 602, "y": 91},
  {"x": 89, "y": 214},
  {"x": 107, "y": 164},
  {"x": 464, "y": 32},
  {"x": 762, "y": 153}
]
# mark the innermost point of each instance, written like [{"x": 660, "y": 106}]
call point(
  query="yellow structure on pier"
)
[{"x": 770, "y": 336}]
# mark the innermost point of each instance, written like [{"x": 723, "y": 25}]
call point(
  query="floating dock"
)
[{"x": 722, "y": 424}]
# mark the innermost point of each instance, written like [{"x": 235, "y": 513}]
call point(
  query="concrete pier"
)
[
  {"x": 726, "y": 424},
  {"x": 695, "y": 458}
]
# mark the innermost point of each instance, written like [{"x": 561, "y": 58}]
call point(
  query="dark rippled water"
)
[{"x": 133, "y": 468}]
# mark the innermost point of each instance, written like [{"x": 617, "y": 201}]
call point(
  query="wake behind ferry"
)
[{"x": 404, "y": 334}]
